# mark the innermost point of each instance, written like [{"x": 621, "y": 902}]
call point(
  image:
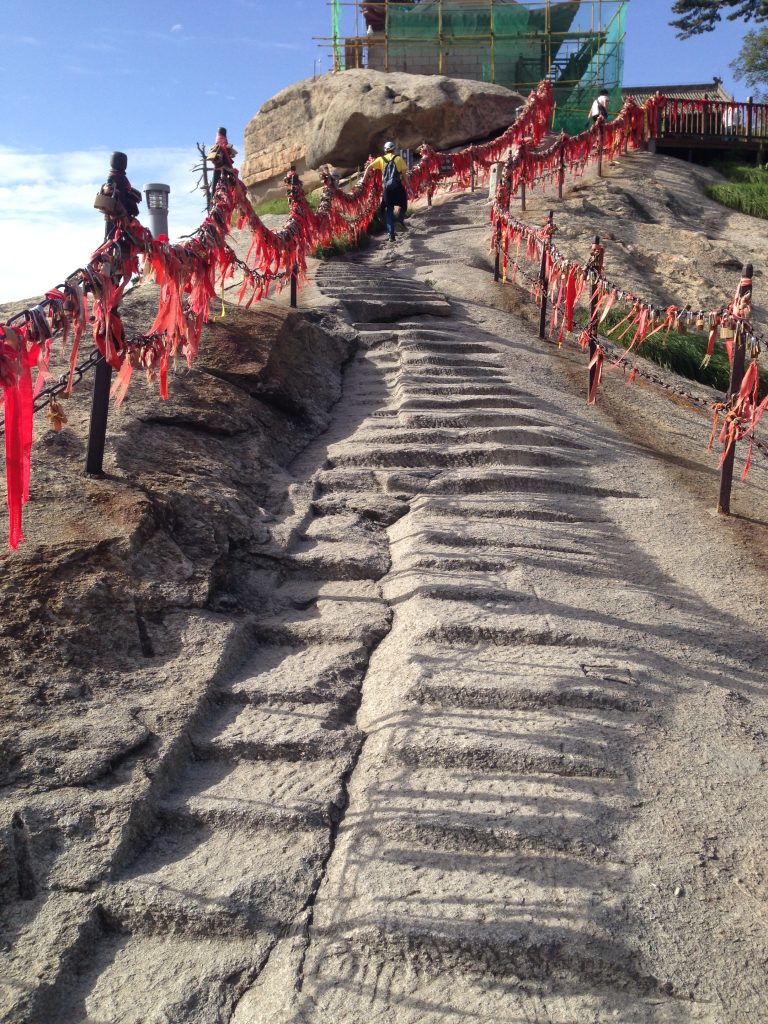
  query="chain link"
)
[
  {"x": 53, "y": 390},
  {"x": 49, "y": 394},
  {"x": 697, "y": 401}
]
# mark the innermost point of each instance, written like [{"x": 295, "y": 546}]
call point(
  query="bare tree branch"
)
[{"x": 202, "y": 169}]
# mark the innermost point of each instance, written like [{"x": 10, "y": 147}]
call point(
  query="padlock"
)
[{"x": 56, "y": 415}]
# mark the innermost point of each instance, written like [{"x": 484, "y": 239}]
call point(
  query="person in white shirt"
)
[{"x": 599, "y": 108}]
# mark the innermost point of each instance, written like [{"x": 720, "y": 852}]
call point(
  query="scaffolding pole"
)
[{"x": 569, "y": 43}]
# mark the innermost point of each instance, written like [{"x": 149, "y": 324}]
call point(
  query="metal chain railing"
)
[{"x": 741, "y": 411}]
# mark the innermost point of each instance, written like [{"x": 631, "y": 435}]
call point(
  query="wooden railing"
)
[{"x": 709, "y": 120}]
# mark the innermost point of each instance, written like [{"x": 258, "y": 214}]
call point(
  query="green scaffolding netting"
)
[
  {"x": 516, "y": 46},
  {"x": 446, "y": 40},
  {"x": 338, "y": 54},
  {"x": 603, "y": 66}
]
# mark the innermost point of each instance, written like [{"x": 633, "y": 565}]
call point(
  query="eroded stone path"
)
[
  {"x": 474, "y": 875},
  {"x": 414, "y": 801}
]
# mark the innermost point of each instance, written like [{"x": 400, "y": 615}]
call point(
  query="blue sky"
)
[{"x": 153, "y": 78}]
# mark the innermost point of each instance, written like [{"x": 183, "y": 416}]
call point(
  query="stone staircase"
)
[{"x": 404, "y": 805}]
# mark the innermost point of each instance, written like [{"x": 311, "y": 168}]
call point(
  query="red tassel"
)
[
  {"x": 596, "y": 362},
  {"x": 14, "y": 464},
  {"x": 570, "y": 298}
]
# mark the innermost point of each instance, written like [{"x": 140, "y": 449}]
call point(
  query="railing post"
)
[
  {"x": 592, "y": 331},
  {"x": 561, "y": 167},
  {"x": 750, "y": 107},
  {"x": 97, "y": 432},
  {"x": 472, "y": 177},
  {"x": 600, "y": 149},
  {"x": 295, "y": 191},
  {"x": 543, "y": 279},
  {"x": 497, "y": 262},
  {"x": 737, "y": 375},
  {"x": 522, "y": 152},
  {"x": 595, "y": 269}
]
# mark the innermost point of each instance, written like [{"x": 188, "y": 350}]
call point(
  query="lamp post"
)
[{"x": 157, "y": 206}]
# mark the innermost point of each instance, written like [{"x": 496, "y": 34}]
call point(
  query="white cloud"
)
[
  {"x": 177, "y": 28},
  {"x": 268, "y": 44},
  {"x": 47, "y": 221},
  {"x": 96, "y": 47},
  {"x": 82, "y": 70}
]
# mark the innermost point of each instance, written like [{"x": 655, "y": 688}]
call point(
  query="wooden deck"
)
[{"x": 710, "y": 125}]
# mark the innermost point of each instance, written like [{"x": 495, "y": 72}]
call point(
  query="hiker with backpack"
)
[
  {"x": 116, "y": 198},
  {"x": 394, "y": 180},
  {"x": 598, "y": 109}
]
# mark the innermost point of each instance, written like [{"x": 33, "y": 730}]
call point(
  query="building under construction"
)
[{"x": 579, "y": 46}]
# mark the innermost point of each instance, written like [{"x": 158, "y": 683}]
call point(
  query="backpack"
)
[{"x": 391, "y": 176}]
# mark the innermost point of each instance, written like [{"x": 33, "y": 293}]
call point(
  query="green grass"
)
[
  {"x": 280, "y": 206},
  {"x": 347, "y": 243},
  {"x": 340, "y": 245},
  {"x": 680, "y": 353},
  {"x": 746, "y": 189}
]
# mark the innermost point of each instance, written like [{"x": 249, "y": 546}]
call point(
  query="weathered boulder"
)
[{"x": 341, "y": 118}]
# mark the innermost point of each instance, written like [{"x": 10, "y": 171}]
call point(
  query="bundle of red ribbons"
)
[{"x": 188, "y": 275}]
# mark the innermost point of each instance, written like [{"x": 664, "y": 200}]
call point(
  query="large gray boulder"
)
[{"x": 341, "y": 118}]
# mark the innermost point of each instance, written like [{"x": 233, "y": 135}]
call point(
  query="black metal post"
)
[
  {"x": 750, "y": 107},
  {"x": 737, "y": 375},
  {"x": 561, "y": 168},
  {"x": 595, "y": 268},
  {"x": 592, "y": 331},
  {"x": 497, "y": 261},
  {"x": 600, "y": 150},
  {"x": 97, "y": 432},
  {"x": 472, "y": 177},
  {"x": 295, "y": 191},
  {"x": 543, "y": 279},
  {"x": 522, "y": 152}
]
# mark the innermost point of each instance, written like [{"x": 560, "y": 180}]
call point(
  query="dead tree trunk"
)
[{"x": 202, "y": 168}]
